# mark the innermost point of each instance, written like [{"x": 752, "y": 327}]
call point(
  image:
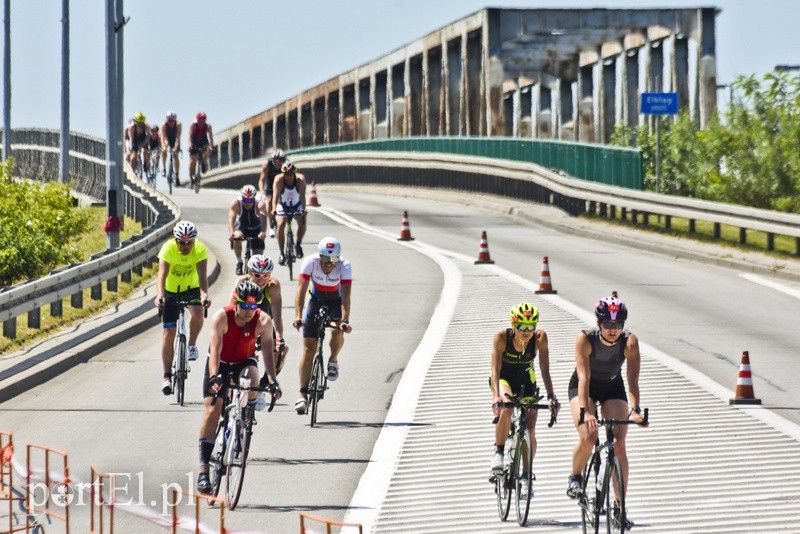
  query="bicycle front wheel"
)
[
  {"x": 314, "y": 388},
  {"x": 216, "y": 468},
  {"x": 591, "y": 501},
  {"x": 180, "y": 369},
  {"x": 615, "y": 498},
  {"x": 237, "y": 461},
  {"x": 289, "y": 253},
  {"x": 523, "y": 460},
  {"x": 502, "y": 488}
]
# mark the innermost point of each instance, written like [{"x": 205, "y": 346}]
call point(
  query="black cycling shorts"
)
[
  {"x": 257, "y": 244},
  {"x": 314, "y": 304},
  {"x": 225, "y": 368},
  {"x": 600, "y": 391},
  {"x": 170, "y": 310},
  {"x": 199, "y": 147}
]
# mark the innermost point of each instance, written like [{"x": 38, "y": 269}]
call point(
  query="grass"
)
[
  {"x": 90, "y": 243},
  {"x": 757, "y": 241}
]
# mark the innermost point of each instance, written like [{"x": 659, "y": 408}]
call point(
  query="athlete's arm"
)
[
  {"x": 498, "y": 344},
  {"x": 299, "y": 298},
  {"x": 633, "y": 364},
  {"x": 232, "y": 214},
  {"x": 219, "y": 326},
  {"x": 583, "y": 348},
  {"x": 543, "y": 349},
  {"x": 163, "y": 271},
  {"x": 202, "y": 274},
  {"x": 276, "y": 303},
  {"x": 277, "y": 191},
  {"x": 262, "y": 180}
]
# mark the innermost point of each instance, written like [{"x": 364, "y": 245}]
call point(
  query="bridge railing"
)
[
  {"x": 520, "y": 181},
  {"x": 33, "y": 153}
]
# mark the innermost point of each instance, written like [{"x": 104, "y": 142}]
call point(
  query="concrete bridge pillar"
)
[{"x": 586, "y": 122}]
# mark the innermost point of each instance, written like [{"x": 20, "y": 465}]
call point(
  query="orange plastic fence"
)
[
  {"x": 328, "y": 523},
  {"x": 61, "y": 458},
  {"x": 101, "y": 484},
  {"x": 197, "y": 498},
  {"x": 7, "y": 479}
]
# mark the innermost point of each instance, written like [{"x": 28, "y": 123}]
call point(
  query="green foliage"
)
[
  {"x": 38, "y": 225},
  {"x": 750, "y": 155}
]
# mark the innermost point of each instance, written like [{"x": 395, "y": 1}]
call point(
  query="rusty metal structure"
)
[{"x": 561, "y": 74}]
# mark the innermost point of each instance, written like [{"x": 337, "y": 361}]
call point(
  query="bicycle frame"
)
[
  {"x": 288, "y": 253},
  {"x": 319, "y": 378}
]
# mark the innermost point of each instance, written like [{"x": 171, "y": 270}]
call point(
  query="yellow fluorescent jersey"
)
[{"x": 182, "y": 267}]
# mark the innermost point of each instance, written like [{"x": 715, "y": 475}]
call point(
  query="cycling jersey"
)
[
  {"x": 248, "y": 220},
  {"x": 605, "y": 363},
  {"x": 182, "y": 267},
  {"x": 155, "y": 144},
  {"x": 290, "y": 197},
  {"x": 239, "y": 342},
  {"x": 200, "y": 135},
  {"x": 272, "y": 172},
  {"x": 326, "y": 286},
  {"x": 137, "y": 138},
  {"x": 172, "y": 134},
  {"x": 518, "y": 365}
]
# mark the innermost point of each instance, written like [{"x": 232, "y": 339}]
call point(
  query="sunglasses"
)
[
  {"x": 248, "y": 200},
  {"x": 613, "y": 325},
  {"x": 259, "y": 276},
  {"x": 248, "y": 306},
  {"x": 185, "y": 242},
  {"x": 526, "y": 327},
  {"x": 329, "y": 259}
]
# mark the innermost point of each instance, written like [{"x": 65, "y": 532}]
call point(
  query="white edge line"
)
[
  {"x": 771, "y": 284},
  {"x": 374, "y": 483}
]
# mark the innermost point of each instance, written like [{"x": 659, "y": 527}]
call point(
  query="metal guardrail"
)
[
  {"x": 522, "y": 181},
  {"x": 142, "y": 203}
]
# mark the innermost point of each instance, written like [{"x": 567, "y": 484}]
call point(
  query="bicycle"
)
[
  {"x": 232, "y": 442},
  {"x": 517, "y": 475},
  {"x": 172, "y": 176},
  {"x": 318, "y": 383},
  {"x": 288, "y": 249},
  {"x": 248, "y": 251},
  {"x": 180, "y": 362},
  {"x": 601, "y": 472},
  {"x": 155, "y": 158},
  {"x": 199, "y": 169}
]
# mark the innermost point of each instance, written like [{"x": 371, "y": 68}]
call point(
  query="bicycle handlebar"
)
[
  {"x": 532, "y": 404},
  {"x": 614, "y": 422}
]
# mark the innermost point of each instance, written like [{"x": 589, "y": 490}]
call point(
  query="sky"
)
[{"x": 235, "y": 58}]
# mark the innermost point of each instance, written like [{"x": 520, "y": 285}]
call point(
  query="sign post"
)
[{"x": 659, "y": 104}]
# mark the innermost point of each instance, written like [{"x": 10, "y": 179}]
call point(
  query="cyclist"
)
[
  {"x": 513, "y": 352},
  {"x": 171, "y": 140},
  {"x": 234, "y": 331},
  {"x": 182, "y": 275},
  {"x": 201, "y": 139},
  {"x": 266, "y": 180},
  {"x": 599, "y": 355},
  {"x": 154, "y": 146},
  {"x": 134, "y": 139},
  {"x": 247, "y": 217},
  {"x": 289, "y": 189},
  {"x": 331, "y": 278},
  {"x": 259, "y": 271}
]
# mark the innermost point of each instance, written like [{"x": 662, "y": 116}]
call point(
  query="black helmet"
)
[{"x": 248, "y": 293}]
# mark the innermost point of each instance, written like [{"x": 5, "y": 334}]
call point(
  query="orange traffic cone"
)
[
  {"x": 545, "y": 286},
  {"x": 483, "y": 252},
  {"x": 313, "y": 200},
  {"x": 744, "y": 384},
  {"x": 405, "y": 229}
]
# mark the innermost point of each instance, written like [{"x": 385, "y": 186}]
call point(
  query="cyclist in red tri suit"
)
[
  {"x": 234, "y": 330},
  {"x": 201, "y": 139}
]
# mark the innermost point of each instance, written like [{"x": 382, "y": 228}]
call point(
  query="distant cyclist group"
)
[{"x": 249, "y": 329}]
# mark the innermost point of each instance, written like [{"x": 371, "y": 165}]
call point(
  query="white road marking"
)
[{"x": 770, "y": 284}]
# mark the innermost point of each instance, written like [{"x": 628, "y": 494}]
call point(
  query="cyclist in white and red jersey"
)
[{"x": 331, "y": 278}]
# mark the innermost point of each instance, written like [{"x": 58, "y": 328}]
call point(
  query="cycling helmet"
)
[
  {"x": 524, "y": 313},
  {"x": 171, "y": 116},
  {"x": 249, "y": 192},
  {"x": 278, "y": 155},
  {"x": 288, "y": 167},
  {"x": 247, "y": 292},
  {"x": 260, "y": 264},
  {"x": 185, "y": 230},
  {"x": 154, "y": 128},
  {"x": 201, "y": 117},
  {"x": 330, "y": 246},
  {"x": 611, "y": 309},
  {"x": 139, "y": 117}
]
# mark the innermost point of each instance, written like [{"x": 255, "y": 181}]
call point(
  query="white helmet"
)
[
  {"x": 330, "y": 246},
  {"x": 185, "y": 230},
  {"x": 260, "y": 264}
]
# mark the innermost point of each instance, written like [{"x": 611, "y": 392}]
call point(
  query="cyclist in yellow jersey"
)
[
  {"x": 182, "y": 275},
  {"x": 260, "y": 272},
  {"x": 513, "y": 352}
]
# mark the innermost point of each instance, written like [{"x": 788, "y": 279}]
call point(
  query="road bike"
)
[
  {"x": 172, "y": 176},
  {"x": 248, "y": 251},
  {"x": 180, "y": 361},
  {"x": 199, "y": 169},
  {"x": 318, "y": 382},
  {"x": 603, "y": 490},
  {"x": 232, "y": 442},
  {"x": 155, "y": 159},
  {"x": 517, "y": 476},
  {"x": 288, "y": 249}
]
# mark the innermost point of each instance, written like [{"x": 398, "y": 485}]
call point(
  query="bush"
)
[{"x": 38, "y": 225}]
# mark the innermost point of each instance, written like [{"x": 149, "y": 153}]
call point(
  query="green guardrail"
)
[{"x": 595, "y": 163}]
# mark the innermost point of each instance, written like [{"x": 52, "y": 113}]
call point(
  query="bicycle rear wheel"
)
[
  {"x": 179, "y": 377},
  {"x": 314, "y": 389},
  {"x": 615, "y": 498},
  {"x": 591, "y": 501},
  {"x": 237, "y": 461},
  {"x": 523, "y": 460}
]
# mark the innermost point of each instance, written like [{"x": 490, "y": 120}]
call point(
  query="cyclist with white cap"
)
[
  {"x": 331, "y": 278},
  {"x": 182, "y": 275}
]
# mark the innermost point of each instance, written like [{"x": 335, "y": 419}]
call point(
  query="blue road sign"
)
[{"x": 660, "y": 103}]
